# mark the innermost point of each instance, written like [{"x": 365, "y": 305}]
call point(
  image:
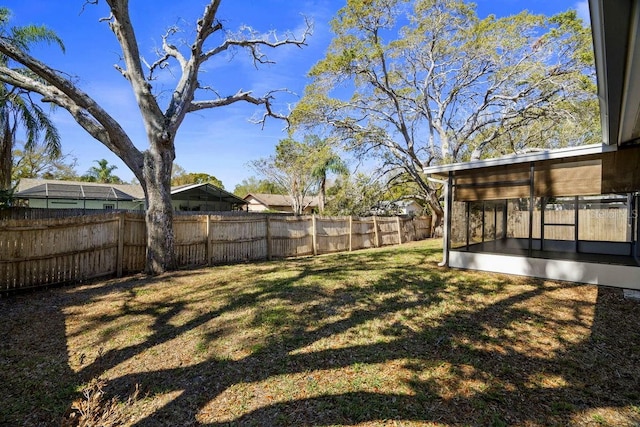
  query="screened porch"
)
[{"x": 566, "y": 214}]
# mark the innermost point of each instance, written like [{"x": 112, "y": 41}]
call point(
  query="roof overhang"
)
[
  {"x": 616, "y": 40},
  {"x": 208, "y": 191},
  {"x": 562, "y": 153}
]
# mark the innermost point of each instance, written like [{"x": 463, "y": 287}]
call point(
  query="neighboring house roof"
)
[
  {"x": 205, "y": 190},
  {"x": 275, "y": 200},
  {"x": 55, "y": 189}
]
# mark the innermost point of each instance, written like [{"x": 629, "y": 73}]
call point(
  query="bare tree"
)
[{"x": 152, "y": 167}]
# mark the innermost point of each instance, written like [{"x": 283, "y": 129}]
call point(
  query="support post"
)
[
  {"x": 120, "y": 254},
  {"x": 209, "y": 243},
  {"x": 531, "y": 206},
  {"x": 446, "y": 241},
  {"x": 505, "y": 219},
  {"x": 268, "y": 225},
  {"x": 398, "y": 223},
  {"x": 483, "y": 223},
  {"x": 576, "y": 222},
  {"x": 350, "y": 233},
  {"x": 543, "y": 208},
  {"x": 314, "y": 231},
  {"x": 467, "y": 212},
  {"x": 375, "y": 230}
]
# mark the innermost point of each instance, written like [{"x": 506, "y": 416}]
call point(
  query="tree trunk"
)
[
  {"x": 159, "y": 215},
  {"x": 6, "y": 158},
  {"x": 438, "y": 212},
  {"x": 323, "y": 194}
]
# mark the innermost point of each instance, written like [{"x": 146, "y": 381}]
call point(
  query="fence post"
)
[
  {"x": 350, "y": 233},
  {"x": 209, "y": 245},
  {"x": 268, "y": 237},
  {"x": 314, "y": 230},
  {"x": 375, "y": 230},
  {"x": 399, "y": 230},
  {"x": 120, "y": 254}
]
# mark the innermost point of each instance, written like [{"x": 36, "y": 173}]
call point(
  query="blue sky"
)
[{"x": 222, "y": 141}]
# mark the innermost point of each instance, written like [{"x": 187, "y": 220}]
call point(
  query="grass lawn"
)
[{"x": 381, "y": 337}]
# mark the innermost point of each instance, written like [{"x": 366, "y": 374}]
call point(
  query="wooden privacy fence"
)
[
  {"x": 49, "y": 251},
  {"x": 609, "y": 225}
]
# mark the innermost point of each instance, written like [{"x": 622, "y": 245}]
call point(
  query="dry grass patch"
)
[{"x": 371, "y": 338}]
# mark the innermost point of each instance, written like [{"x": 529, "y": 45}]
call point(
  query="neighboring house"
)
[
  {"x": 54, "y": 194},
  {"x": 569, "y": 214},
  {"x": 204, "y": 197},
  {"x": 257, "y": 202},
  {"x": 398, "y": 207}
]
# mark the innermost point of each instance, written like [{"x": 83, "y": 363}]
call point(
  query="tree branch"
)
[
  {"x": 245, "y": 96},
  {"x": 255, "y": 43},
  {"x": 62, "y": 92}
]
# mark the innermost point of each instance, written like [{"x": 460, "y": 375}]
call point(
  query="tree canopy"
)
[
  {"x": 301, "y": 169},
  {"x": 180, "y": 176},
  {"x": 38, "y": 162},
  {"x": 259, "y": 186},
  {"x": 292, "y": 168},
  {"x": 426, "y": 82},
  {"x": 103, "y": 172}
]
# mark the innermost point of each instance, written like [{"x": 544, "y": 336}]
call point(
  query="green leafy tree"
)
[
  {"x": 448, "y": 86},
  {"x": 182, "y": 177},
  {"x": 39, "y": 162},
  {"x": 152, "y": 166},
  {"x": 292, "y": 167},
  {"x": 257, "y": 186},
  {"x": 102, "y": 173},
  {"x": 17, "y": 109},
  {"x": 355, "y": 194}
]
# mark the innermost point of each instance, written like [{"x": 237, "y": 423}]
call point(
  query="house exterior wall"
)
[
  {"x": 254, "y": 205},
  {"x": 84, "y": 204},
  {"x": 200, "y": 205}
]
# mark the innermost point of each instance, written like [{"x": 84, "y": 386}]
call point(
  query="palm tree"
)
[
  {"x": 17, "y": 108},
  {"x": 327, "y": 161},
  {"x": 102, "y": 173}
]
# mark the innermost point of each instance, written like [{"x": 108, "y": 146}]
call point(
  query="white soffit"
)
[
  {"x": 630, "y": 114},
  {"x": 615, "y": 25}
]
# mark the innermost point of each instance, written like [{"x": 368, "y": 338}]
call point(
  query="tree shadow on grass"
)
[
  {"x": 37, "y": 382},
  {"x": 363, "y": 338}
]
